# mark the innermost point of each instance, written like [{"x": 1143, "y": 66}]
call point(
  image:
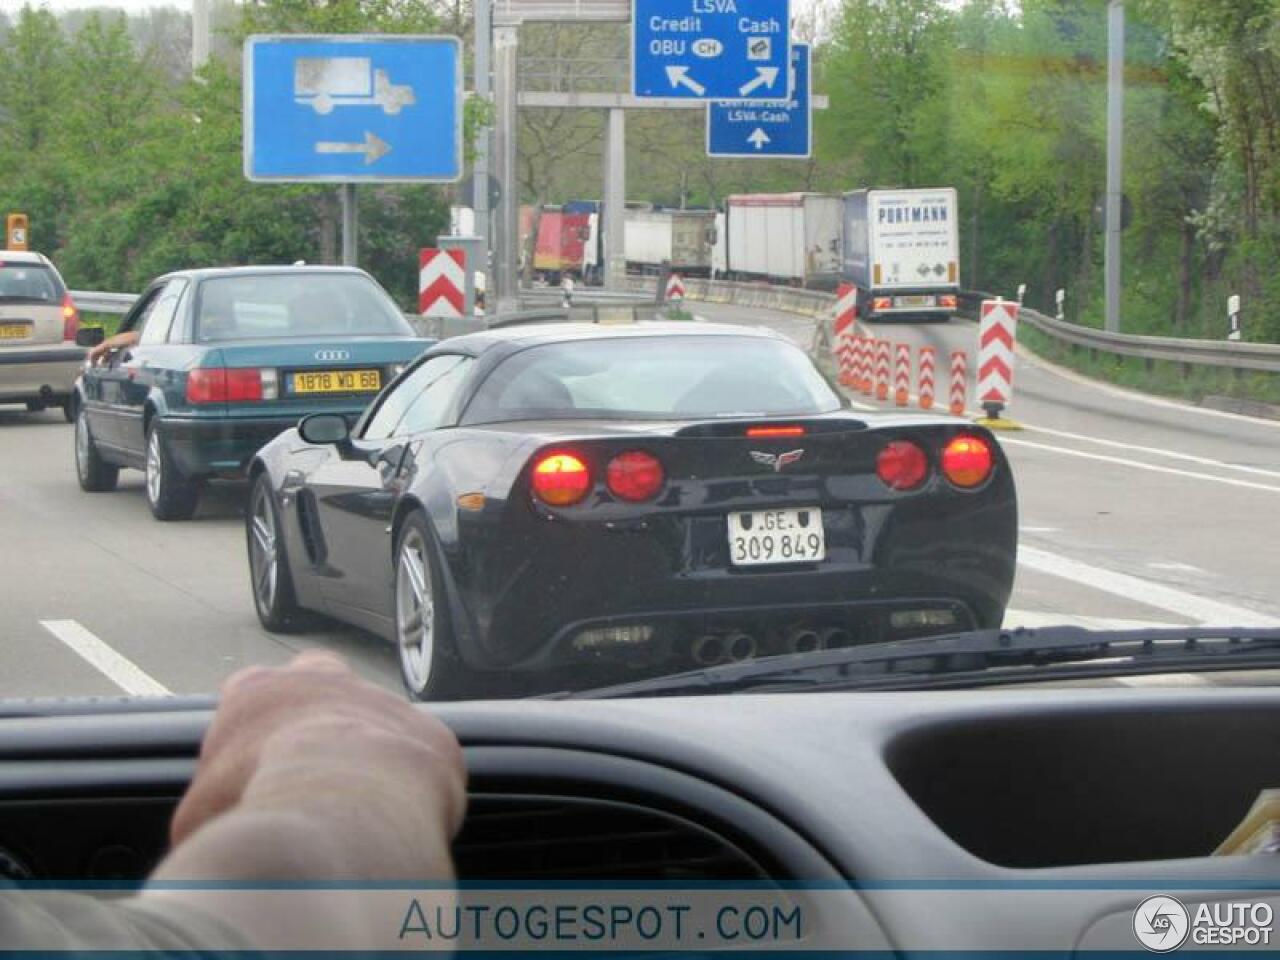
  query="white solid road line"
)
[
  {"x": 1138, "y": 464},
  {"x": 116, "y": 667},
  {"x": 1157, "y": 451},
  {"x": 1200, "y": 609}
]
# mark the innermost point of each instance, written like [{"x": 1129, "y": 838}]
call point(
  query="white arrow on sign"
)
[
  {"x": 765, "y": 77},
  {"x": 374, "y": 147},
  {"x": 679, "y": 77},
  {"x": 758, "y": 138}
]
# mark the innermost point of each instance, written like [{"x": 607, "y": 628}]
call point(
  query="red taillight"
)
[
  {"x": 218, "y": 385},
  {"x": 70, "y": 318},
  {"x": 947, "y": 301},
  {"x": 902, "y": 465},
  {"x": 967, "y": 460},
  {"x": 775, "y": 431},
  {"x": 635, "y": 476},
  {"x": 882, "y": 303},
  {"x": 561, "y": 479}
]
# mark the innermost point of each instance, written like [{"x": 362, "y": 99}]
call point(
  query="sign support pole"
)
[
  {"x": 615, "y": 199},
  {"x": 480, "y": 168},
  {"x": 350, "y": 224},
  {"x": 507, "y": 234}
]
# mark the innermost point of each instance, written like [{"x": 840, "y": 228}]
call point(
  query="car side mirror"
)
[
  {"x": 90, "y": 336},
  {"x": 324, "y": 428}
]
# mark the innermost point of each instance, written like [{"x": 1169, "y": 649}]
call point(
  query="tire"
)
[
  {"x": 170, "y": 495},
  {"x": 270, "y": 578},
  {"x": 69, "y": 409},
  {"x": 94, "y": 473},
  {"x": 429, "y": 663}
]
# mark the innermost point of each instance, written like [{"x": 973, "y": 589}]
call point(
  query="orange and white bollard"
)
[
  {"x": 925, "y": 388},
  {"x": 866, "y": 367},
  {"x": 959, "y": 380},
  {"x": 902, "y": 375},
  {"x": 882, "y": 369}
]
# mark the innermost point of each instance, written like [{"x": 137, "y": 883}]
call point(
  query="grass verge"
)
[{"x": 1162, "y": 377}]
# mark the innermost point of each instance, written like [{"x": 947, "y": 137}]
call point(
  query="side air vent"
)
[{"x": 532, "y": 837}]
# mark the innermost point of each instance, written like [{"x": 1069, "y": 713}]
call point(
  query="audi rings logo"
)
[
  {"x": 1161, "y": 924},
  {"x": 332, "y": 356}
]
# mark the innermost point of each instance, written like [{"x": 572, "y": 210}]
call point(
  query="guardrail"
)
[{"x": 95, "y": 301}]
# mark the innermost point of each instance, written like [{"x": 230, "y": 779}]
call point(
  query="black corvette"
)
[{"x": 569, "y": 504}]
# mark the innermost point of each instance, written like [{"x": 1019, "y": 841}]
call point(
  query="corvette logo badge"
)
[{"x": 776, "y": 460}]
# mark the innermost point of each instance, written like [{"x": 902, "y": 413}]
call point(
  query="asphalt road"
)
[{"x": 1132, "y": 511}]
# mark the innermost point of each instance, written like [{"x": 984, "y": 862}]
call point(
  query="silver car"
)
[{"x": 39, "y": 358}]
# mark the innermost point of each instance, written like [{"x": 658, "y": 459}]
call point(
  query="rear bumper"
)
[
  {"x": 28, "y": 373},
  {"x": 212, "y": 446}
]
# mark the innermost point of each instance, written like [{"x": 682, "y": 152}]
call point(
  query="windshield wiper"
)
[{"x": 978, "y": 657}]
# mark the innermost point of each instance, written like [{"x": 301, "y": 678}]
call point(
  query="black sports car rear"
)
[{"x": 571, "y": 504}]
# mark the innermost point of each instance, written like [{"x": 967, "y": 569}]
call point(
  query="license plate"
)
[
  {"x": 336, "y": 381},
  {"x": 15, "y": 331},
  {"x": 915, "y": 300},
  {"x": 776, "y": 536}
]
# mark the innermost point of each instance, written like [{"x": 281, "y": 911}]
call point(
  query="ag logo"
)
[{"x": 1161, "y": 924}]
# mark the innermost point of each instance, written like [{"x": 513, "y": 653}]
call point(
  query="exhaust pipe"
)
[
  {"x": 834, "y": 637},
  {"x": 804, "y": 640},
  {"x": 740, "y": 646},
  {"x": 708, "y": 649}
]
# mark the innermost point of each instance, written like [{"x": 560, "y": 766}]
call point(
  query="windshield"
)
[
  {"x": 680, "y": 378},
  {"x": 262, "y": 306},
  {"x": 550, "y": 359}
]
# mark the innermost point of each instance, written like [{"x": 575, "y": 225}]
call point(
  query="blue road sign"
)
[
  {"x": 772, "y": 130},
  {"x": 352, "y": 109},
  {"x": 710, "y": 49}
]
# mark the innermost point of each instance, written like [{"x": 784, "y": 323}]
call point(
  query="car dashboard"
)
[{"x": 1108, "y": 793}]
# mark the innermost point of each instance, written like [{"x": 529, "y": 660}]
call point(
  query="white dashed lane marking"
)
[{"x": 100, "y": 655}]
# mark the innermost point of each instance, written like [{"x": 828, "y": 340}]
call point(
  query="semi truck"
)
[
  {"x": 902, "y": 252},
  {"x": 791, "y": 238},
  {"x": 679, "y": 239}
]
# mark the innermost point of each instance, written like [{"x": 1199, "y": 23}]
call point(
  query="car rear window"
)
[
  {"x": 29, "y": 283},
  {"x": 266, "y": 306},
  {"x": 655, "y": 378}
]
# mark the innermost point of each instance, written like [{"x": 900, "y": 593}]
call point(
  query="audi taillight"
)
[
  {"x": 220, "y": 385},
  {"x": 70, "y": 318},
  {"x": 634, "y": 476},
  {"x": 902, "y": 465},
  {"x": 967, "y": 460},
  {"x": 561, "y": 479}
]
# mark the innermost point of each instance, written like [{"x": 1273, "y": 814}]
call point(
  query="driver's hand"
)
[{"x": 98, "y": 353}]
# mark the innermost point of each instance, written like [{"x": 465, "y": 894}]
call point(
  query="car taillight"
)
[
  {"x": 561, "y": 479},
  {"x": 947, "y": 301},
  {"x": 882, "y": 303},
  {"x": 967, "y": 460},
  {"x": 219, "y": 385},
  {"x": 70, "y": 318},
  {"x": 775, "y": 432},
  {"x": 902, "y": 465},
  {"x": 634, "y": 476}
]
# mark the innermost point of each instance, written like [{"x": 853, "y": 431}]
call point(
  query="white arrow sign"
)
[
  {"x": 758, "y": 138},
  {"x": 765, "y": 77},
  {"x": 679, "y": 77},
  {"x": 374, "y": 148}
]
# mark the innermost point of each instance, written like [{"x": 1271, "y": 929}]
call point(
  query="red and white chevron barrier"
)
[
  {"x": 846, "y": 333},
  {"x": 675, "y": 288},
  {"x": 924, "y": 388},
  {"x": 902, "y": 375},
  {"x": 442, "y": 282},
  {"x": 883, "y": 354},
  {"x": 846, "y": 351},
  {"x": 959, "y": 381},
  {"x": 997, "y": 334},
  {"x": 866, "y": 367}
]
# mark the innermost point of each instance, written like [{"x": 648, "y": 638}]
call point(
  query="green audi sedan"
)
[{"x": 223, "y": 360}]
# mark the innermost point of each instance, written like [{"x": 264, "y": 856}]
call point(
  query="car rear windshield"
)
[
  {"x": 653, "y": 378},
  {"x": 263, "y": 306},
  {"x": 28, "y": 283}
]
